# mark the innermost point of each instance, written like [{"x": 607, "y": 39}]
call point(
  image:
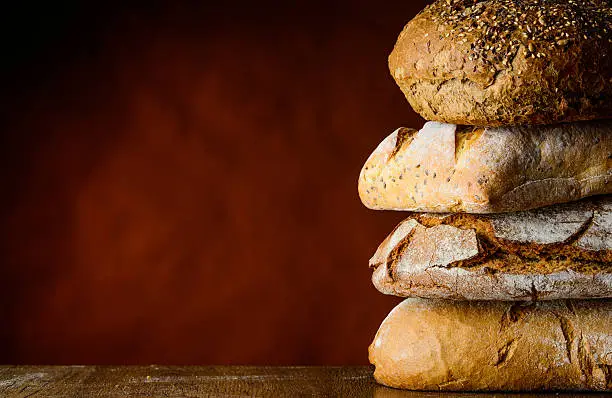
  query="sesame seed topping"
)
[{"x": 497, "y": 30}]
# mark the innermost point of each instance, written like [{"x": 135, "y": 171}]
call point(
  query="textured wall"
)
[{"x": 180, "y": 183}]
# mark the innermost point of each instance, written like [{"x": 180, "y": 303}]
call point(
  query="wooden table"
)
[{"x": 213, "y": 381}]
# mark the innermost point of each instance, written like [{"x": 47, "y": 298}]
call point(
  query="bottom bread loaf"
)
[{"x": 495, "y": 346}]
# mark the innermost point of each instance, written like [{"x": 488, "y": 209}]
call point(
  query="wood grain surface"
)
[{"x": 195, "y": 381}]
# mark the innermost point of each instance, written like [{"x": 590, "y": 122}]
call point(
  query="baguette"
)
[
  {"x": 495, "y": 346},
  {"x": 449, "y": 168}
]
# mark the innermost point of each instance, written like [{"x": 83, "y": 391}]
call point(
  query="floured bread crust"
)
[
  {"x": 562, "y": 251},
  {"x": 450, "y": 168},
  {"x": 444, "y": 345}
]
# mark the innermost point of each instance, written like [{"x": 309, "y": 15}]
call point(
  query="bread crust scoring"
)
[
  {"x": 556, "y": 252},
  {"x": 443, "y": 345},
  {"x": 446, "y": 168}
]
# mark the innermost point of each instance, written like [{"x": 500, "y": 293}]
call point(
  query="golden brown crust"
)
[
  {"x": 448, "y": 168},
  {"x": 495, "y": 346},
  {"x": 562, "y": 251},
  {"x": 503, "y": 62}
]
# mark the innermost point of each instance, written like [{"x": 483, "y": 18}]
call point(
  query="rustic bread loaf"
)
[
  {"x": 450, "y": 168},
  {"x": 495, "y": 345},
  {"x": 557, "y": 252},
  {"x": 502, "y": 62}
]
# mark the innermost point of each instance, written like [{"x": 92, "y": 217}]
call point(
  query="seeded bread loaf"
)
[
  {"x": 450, "y": 168},
  {"x": 557, "y": 252},
  {"x": 506, "y": 62},
  {"x": 495, "y": 346}
]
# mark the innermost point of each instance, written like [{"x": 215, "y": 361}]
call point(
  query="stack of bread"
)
[{"x": 505, "y": 256}]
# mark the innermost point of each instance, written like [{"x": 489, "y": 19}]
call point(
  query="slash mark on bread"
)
[
  {"x": 515, "y": 313},
  {"x": 405, "y": 136},
  {"x": 585, "y": 360},
  {"x": 569, "y": 334},
  {"x": 396, "y": 253},
  {"x": 505, "y": 353}
]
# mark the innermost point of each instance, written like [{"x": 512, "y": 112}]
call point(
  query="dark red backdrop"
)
[{"x": 179, "y": 182}]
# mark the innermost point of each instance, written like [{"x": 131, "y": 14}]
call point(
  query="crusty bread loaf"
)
[
  {"x": 495, "y": 345},
  {"x": 450, "y": 168},
  {"x": 557, "y": 252},
  {"x": 492, "y": 63}
]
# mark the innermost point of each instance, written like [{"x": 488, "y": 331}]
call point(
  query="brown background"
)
[{"x": 179, "y": 181}]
